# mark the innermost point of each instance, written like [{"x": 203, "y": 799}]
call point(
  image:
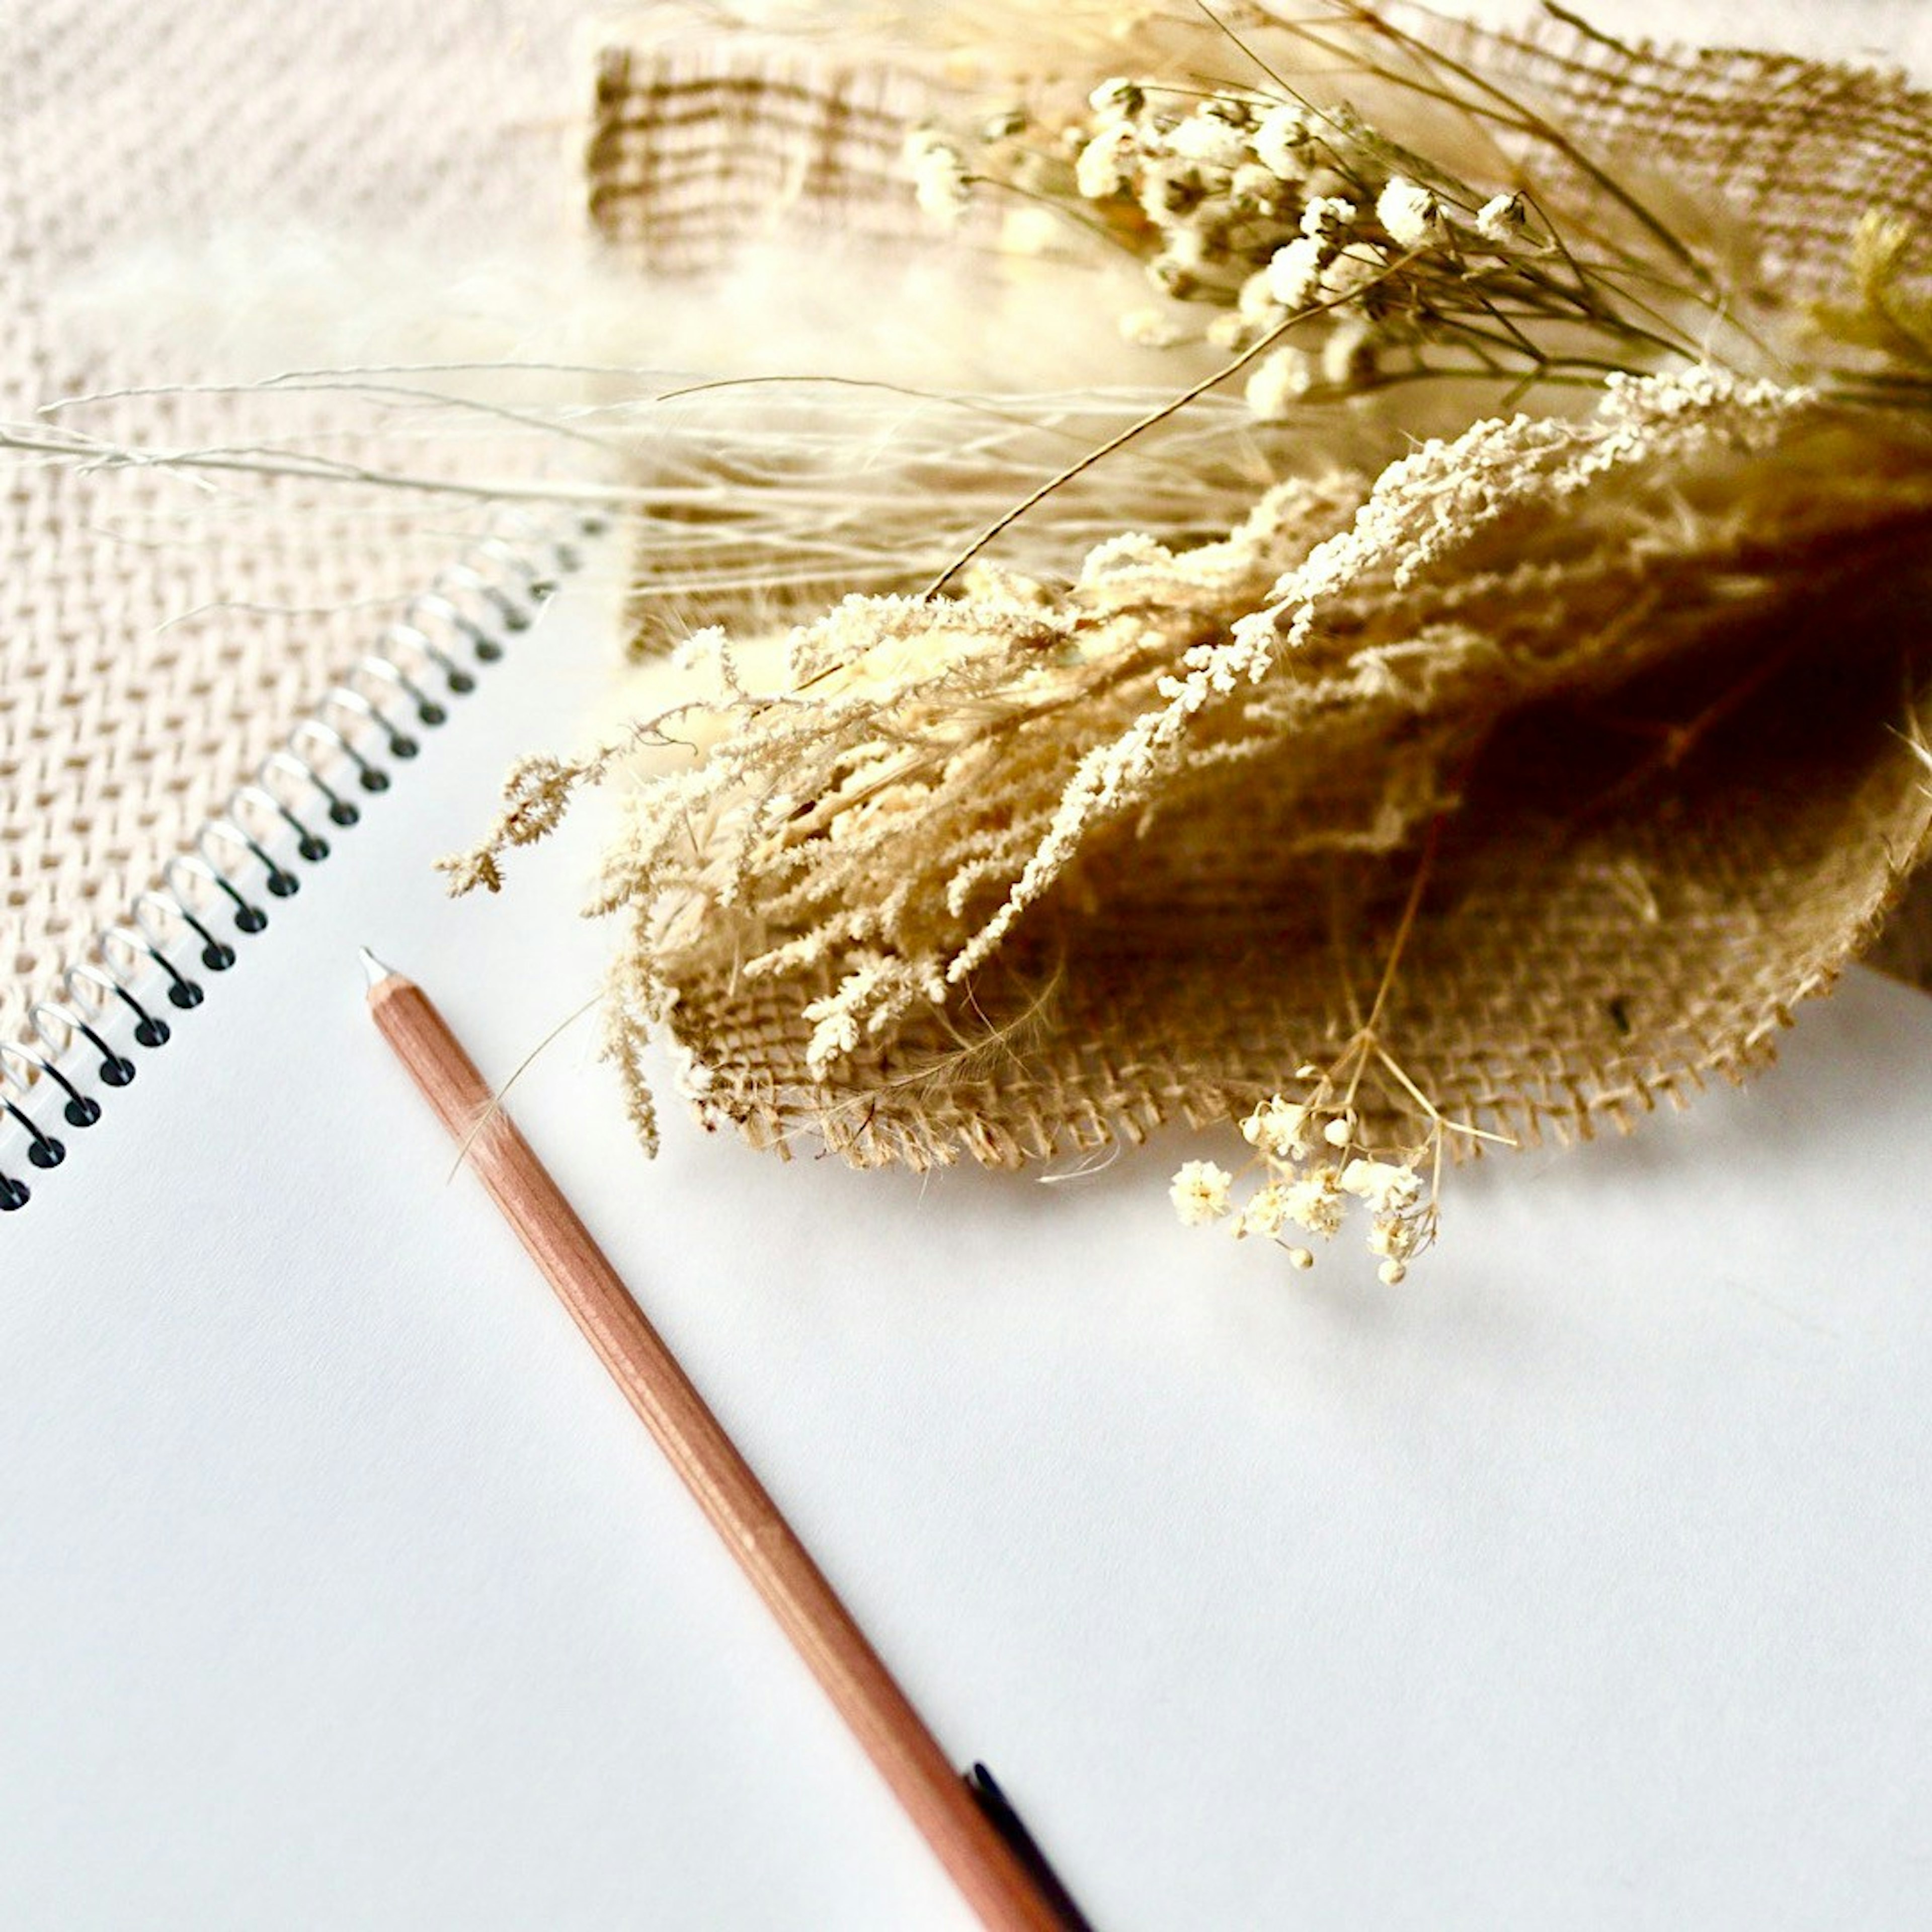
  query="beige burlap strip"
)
[
  {"x": 1794, "y": 151},
  {"x": 1571, "y": 964},
  {"x": 702, "y": 140}
]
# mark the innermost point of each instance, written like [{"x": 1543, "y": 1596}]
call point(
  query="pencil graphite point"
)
[{"x": 372, "y": 968}]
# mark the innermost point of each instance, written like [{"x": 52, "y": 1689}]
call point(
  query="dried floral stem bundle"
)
[{"x": 1514, "y": 779}]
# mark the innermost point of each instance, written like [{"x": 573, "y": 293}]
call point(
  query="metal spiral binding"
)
[{"x": 157, "y": 955}]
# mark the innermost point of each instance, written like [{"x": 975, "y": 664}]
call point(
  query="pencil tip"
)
[
  {"x": 372, "y": 968},
  {"x": 997, "y": 1809}
]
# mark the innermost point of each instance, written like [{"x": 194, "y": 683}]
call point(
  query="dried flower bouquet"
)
[{"x": 1518, "y": 772}]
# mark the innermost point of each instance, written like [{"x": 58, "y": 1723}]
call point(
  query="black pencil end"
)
[{"x": 999, "y": 1813}]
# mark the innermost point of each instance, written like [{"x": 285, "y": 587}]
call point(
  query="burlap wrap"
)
[{"x": 1607, "y": 920}]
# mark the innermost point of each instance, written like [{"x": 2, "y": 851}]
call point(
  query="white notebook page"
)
[{"x": 1580, "y": 1580}]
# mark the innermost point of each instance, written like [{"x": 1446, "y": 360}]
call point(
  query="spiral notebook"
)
[{"x": 1576, "y": 1582}]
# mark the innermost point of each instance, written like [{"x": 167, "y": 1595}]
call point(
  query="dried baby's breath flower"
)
[
  {"x": 1294, "y": 272},
  {"x": 1200, "y": 1191},
  {"x": 1315, "y": 1203},
  {"x": 1411, "y": 215},
  {"x": 1281, "y": 140},
  {"x": 1395, "y": 1238},
  {"x": 1392, "y": 1236},
  {"x": 1168, "y": 190},
  {"x": 1353, "y": 231},
  {"x": 1116, "y": 99},
  {"x": 1265, "y": 1214},
  {"x": 1105, "y": 168},
  {"x": 1209, "y": 137},
  {"x": 1300, "y": 1186},
  {"x": 1277, "y": 1129},
  {"x": 940, "y": 182},
  {"x": 1501, "y": 219},
  {"x": 1325, "y": 216},
  {"x": 1279, "y": 383},
  {"x": 1386, "y": 1187}
]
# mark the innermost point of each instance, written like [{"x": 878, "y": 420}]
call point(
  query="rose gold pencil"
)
[{"x": 988, "y": 1870}]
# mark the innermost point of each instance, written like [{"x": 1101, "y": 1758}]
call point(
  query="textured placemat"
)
[
  {"x": 158, "y": 633},
  {"x": 266, "y": 178}
]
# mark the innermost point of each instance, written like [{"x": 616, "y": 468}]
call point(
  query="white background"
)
[{"x": 1579, "y": 1581}]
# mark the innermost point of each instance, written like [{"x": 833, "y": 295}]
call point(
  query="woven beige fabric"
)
[
  {"x": 702, "y": 142},
  {"x": 159, "y": 634},
  {"x": 1599, "y": 931},
  {"x": 161, "y": 631},
  {"x": 1796, "y": 150},
  {"x": 1561, "y": 975}
]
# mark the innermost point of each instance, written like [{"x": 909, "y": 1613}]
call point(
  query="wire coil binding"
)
[{"x": 155, "y": 956}]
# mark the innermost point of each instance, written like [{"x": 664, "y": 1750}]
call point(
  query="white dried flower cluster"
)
[
  {"x": 1268, "y": 211},
  {"x": 1313, "y": 1170},
  {"x": 843, "y": 839}
]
